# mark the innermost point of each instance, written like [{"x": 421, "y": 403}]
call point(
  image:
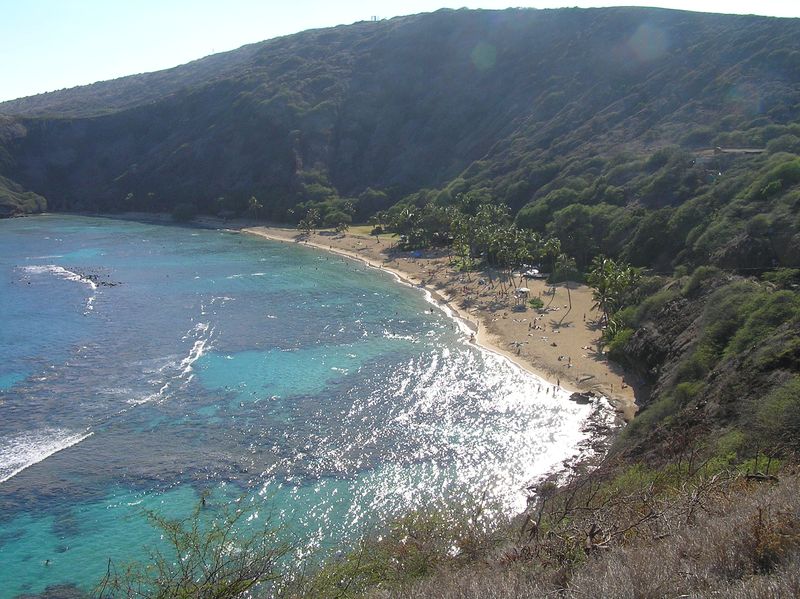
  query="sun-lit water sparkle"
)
[{"x": 323, "y": 392}]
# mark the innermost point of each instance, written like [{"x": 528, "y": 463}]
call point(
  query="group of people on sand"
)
[{"x": 535, "y": 326}]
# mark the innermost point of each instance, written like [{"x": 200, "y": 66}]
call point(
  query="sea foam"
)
[
  {"x": 61, "y": 273},
  {"x": 67, "y": 275},
  {"x": 26, "y": 449}
]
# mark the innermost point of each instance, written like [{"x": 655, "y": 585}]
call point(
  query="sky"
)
[{"x": 46, "y": 45}]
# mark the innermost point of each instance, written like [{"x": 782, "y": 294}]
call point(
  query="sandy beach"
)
[{"x": 558, "y": 343}]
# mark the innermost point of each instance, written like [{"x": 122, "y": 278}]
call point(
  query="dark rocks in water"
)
[
  {"x": 61, "y": 591},
  {"x": 582, "y": 398},
  {"x": 101, "y": 280}
]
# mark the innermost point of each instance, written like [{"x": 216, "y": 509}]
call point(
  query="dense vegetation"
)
[
  {"x": 14, "y": 199},
  {"x": 509, "y": 106},
  {"x": 654, "y": 154}
]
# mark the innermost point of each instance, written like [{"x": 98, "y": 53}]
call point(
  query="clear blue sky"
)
[{"x": 52, "y": 44}]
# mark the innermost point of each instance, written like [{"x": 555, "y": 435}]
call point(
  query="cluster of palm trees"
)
[
  {"x": 310, "y": 221},
  {"x": 490, "y": 235},
  {"x": 612, "y": 284},
  {"x": 485, "y": 235}
]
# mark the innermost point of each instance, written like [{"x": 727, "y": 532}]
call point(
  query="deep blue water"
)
[{"x": 141, "y": 365}]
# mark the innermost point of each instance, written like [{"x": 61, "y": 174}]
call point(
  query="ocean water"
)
[{"x": 142, "y": 365}]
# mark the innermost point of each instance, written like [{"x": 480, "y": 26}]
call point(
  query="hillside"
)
[{"x": 494, "y": 99}]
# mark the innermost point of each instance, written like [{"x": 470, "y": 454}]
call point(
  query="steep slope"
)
[{"x": 401, "y": 105}]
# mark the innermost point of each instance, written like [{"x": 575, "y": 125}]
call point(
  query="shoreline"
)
[
  {"x": 488, "y": 336},
  {"x": 549, "y": 355}
]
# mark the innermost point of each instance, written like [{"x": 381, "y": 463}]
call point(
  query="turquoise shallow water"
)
[{"x": 141, "y": 365}]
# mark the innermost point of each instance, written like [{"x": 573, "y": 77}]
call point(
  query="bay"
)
[{"x": 142, "y": 365}]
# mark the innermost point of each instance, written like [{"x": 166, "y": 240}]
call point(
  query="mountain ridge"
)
[{"x": 401, "y": 105}]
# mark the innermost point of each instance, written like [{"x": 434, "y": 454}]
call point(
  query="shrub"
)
[
  {"x": 653, "y": 304},
  {"x": 758, "y": 225},
  {"x": 627, "y": 317},
  {"x": 411, "y": 547},
  {"x": 783, "y": 277},
  {"x": 699, "y": 136},
  {"x": 729, "y": 447},
  {"x": 617, "y": 346},
  {"x": 688, "y": 390},
  {"x": 696, "y": 365},
  {"x": 782, "y": 176},
  {"x": 784, "y": 143},
  {"x": 700, "y": 276},
  {"x": 764, "y": 318},
  {"x": 204, "y": 556},
  {"x": 649, "y": 418},
  {"x": 536, "y": 303},
  {"x": 726, "y": 311},
  {"x": 778, "y": 416}
]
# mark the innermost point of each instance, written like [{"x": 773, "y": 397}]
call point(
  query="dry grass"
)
[{"x": 724, "y": 537}]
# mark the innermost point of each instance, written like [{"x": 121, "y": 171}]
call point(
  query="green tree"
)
[
  {"x": 218, "y": 557},
  {"x": 552, "y": 248},
  {"x": 371, "y": 200},
  {"x": 254, "y": 207},
  {"x": 573, "y": 226},
  {"x": 310, "y": 221},
  {"x": 378, "y": 222},
  {"x": 610, "y": 282},
  {"x": 342, "y": 227},
  {"x": 463, "y": 233},
  {"x": 406, "y": 222},
  {"x": 334, "y": 218}
]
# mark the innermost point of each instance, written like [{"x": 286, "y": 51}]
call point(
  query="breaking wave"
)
[
  {"x": 67, "y": 275},
  {"x": 26, "y": 449}
]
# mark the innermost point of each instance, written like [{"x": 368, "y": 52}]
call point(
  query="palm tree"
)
[
  {"x": 601, "y": 278},
  {"x": 310, "y": 221},
  {"x": 611, "y": 281},
  {"x": 566, "y": 264},
  {"x": 463, "y": 230},
  {"x": 552, "y": 248},
  {"x": 254, "y": 207}
]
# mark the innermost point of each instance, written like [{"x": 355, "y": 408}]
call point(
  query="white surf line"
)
[
  {"x": 183, "y": 371},
  {"x": 199, "y": 349},
  {"x": 22, "y": 452},
  {"x": 60, "y": 272},
  {"x": 67, "y": 275}
]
